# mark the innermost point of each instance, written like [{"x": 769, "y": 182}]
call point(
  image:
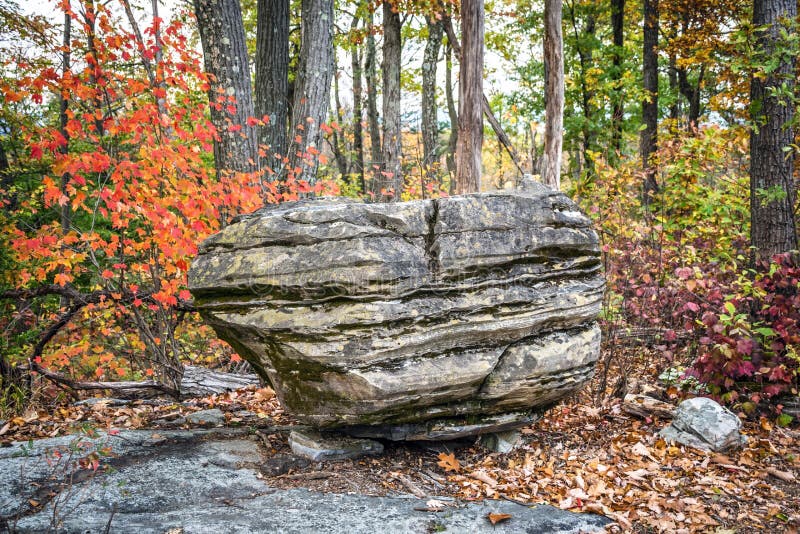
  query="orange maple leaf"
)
[{"x": 448, "y": 462}]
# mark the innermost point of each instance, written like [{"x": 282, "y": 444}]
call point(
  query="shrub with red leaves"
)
[{"x": 750, "y": 346}]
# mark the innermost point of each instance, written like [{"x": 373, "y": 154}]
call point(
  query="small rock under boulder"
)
[
  {"x": 502, "y": 442},
  {"x": 704, "y": 424},
  {"x": 412, "y": 320},
  {"x": 320, "y": 447}
]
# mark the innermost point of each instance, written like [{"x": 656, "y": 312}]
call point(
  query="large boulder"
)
[{"x": 412, "y": 320}]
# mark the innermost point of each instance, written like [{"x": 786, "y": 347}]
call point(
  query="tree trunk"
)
[
  {"x": 66, "y": 214},
  {"x": 225, "y": 52},
  {"x": 674, "y": 109},
  {"x": 585, "y": 57},
  {"x": 430, "y": 124},
  {"x": 502, "y": 137},
  {"x": 617, "y": 28},
  {"x": 90, "y": 19},
  {"x": 161, "y": 101},
  {"x": 692, "y": 94},
  {"x": 272, "y": 77},
  {"x": 371, "y": 77},
  {"x": 649, "y": 138},
  {"x": 470, "y": 99},
  {"x": 389, "y": 184},
  {"x": 772, "y": 193},
  {"x": 200, "y": 382},
  {"x": 452, "y": 114},
  {"x": 149, "y": 68},
  {"x": 312, "y": 86},
  {"x": 337, "y": 141},
  {"x": 358, "y": 130},
  {"x": 554, "y": 94}
]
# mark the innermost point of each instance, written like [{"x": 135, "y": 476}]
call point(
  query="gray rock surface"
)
[
  {"x": 384, "y": 315},
  {"x": 325, "y": 447},
  {"x": 704, "y": 424},
  {"x": 205, "y": 482},
  {"x": 212, "y": 417}
]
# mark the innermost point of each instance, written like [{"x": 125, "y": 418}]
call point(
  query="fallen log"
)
[
  {"x": 644, "y": 406},
  {"x": 200, "y": 381}
]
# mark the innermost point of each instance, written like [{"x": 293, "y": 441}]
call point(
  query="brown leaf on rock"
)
[{"x": 498, "y": 518}]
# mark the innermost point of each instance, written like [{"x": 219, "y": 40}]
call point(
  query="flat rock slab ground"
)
[{"x": 209, "y": 481}]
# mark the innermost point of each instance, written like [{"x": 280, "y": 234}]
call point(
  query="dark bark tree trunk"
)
[
  {"x": 674, "y": 109},
  {"x": 337, "y": 140},
  {"x": 66, "y": 214},
  {"x": 90, "y": 19},
  {"x": 230, "y": 96},
  {"x": 618, "y": 40},
  {"x": 430, "y": 124},
  {"x": 470, "y": 99},
  {"x": 452, "y": 114},
  {"x": 689, "y": 91},
  {"x": 554, "y": 94},
  {"x": 388, "y": 185},
  {"x": 371, "y": 77},
  {"x": 358, "y": 130},
  {"x": 585, "y": 58},
  {"x": 649, "y": 136},
  {"x": 692, "y": 94},
  {"x": 272, "y": 77},
  {"x": 772, "y": 193},
  {"x": 312, "y": 86}
]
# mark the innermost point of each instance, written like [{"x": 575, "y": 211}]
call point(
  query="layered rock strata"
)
[{"x": 395, "y": 319}]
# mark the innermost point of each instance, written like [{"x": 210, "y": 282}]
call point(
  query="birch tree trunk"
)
[
  {"x": 470, "y": 99},
  {"x": 272, "y": 76},
  {"x": 230, "y": 96},
  {"x": 554, "y": 94},
  {"x": 312, "y": 87}
]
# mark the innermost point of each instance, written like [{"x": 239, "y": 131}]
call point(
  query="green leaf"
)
[
  {"x": 784, "y": 419},
  {"x": 766, "y": 332},
  {"x": 730, "y": 308}
]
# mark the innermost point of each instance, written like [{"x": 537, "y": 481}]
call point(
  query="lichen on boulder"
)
[{"x": 397, "y": 318}]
